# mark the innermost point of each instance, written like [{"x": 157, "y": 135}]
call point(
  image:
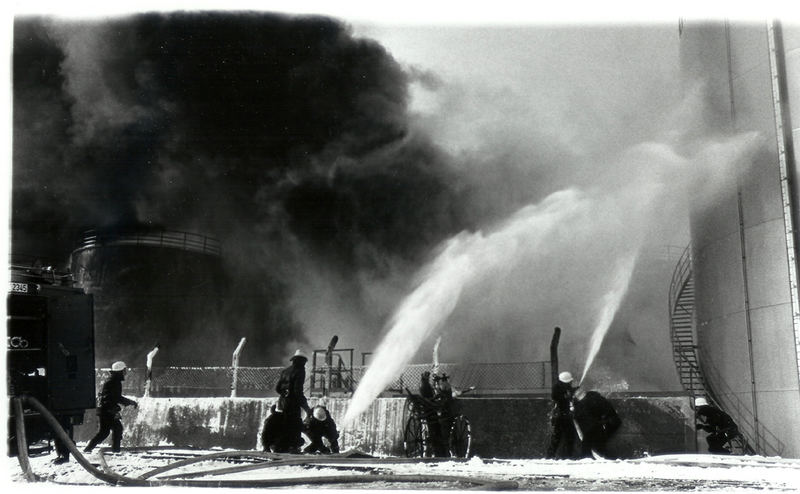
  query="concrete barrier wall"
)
[{"x": 501, "y": 427}]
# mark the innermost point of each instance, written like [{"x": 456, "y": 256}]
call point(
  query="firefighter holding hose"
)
[
  {"x": 561, "y": 424},
  {"x": 291, "y": 400}
]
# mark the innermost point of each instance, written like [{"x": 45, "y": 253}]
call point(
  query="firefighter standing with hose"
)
[
  {"x": 291, "y": 400},
  {"x": 562, "y": 425}
]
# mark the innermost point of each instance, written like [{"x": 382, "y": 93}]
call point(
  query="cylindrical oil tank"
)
[
  {"x": 154, "y": 287},
  {"x": 744, "y": 256}
]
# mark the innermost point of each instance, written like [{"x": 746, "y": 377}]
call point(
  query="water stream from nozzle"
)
[
  {"x": 464, "y": 260},
  {"x": 611, "y": 301}
]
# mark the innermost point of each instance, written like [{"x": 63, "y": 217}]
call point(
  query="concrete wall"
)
[
  {"x": 501, "y": 427},
  {"x": 746, "y": 336}
]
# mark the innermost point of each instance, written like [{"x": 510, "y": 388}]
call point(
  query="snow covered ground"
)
[{"x": 674, "y": 473}]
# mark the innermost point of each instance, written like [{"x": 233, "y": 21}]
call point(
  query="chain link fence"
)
[{"x": 514, "y": 378}]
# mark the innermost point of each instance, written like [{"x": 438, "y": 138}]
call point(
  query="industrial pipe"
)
[{"x": 235, "y": 366}]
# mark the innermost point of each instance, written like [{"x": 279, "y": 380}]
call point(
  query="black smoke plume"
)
[{"x": 285, "y": 137}]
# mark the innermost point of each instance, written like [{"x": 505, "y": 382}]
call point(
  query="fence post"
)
[
  {"x": 235, "y": 365},
  {"x": 149, "y": 378}
]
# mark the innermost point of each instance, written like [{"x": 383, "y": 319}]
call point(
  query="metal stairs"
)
[
  {"x": 681, "y": 306},
  {"x": 754, "y": 438}
]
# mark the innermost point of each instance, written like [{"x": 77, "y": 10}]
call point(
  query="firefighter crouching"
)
[
  {"x": 109, "y": 409},
  {"x": 720, "y": 426},
  {"x": 272, "y": 432},
  {"x": 319, "y": 424},
  {"x": 597, "y": 420}
]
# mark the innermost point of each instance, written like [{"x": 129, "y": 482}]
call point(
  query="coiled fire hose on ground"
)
[{"x": 122, "y": 480}]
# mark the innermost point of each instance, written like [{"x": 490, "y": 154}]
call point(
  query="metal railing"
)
[
  {"x": 682, "y": 272},
  {"x": 517, "y": 378},
  {"x": 163, "y": 238},
  {"x": 681, "y": 316}
]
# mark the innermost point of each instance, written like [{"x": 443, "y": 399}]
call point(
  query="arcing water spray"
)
[
  {"x": 611, "y": 301},
  {"x": 465, "y": 259}
]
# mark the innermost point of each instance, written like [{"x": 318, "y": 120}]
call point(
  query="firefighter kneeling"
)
[{"x": 318, "y": 425}]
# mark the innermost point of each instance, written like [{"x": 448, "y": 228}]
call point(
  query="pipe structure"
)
[
  {"x": 114, "y": 478},
  {"x": 150, "y": 357},
  {"x": 235, "y": 365},
  {"x": 554, "y": 355}
]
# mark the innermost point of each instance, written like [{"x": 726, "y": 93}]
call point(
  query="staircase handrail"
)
[{"x": 680, "y": 274}]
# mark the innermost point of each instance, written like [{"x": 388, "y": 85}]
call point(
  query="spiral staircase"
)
[
  {"x": 682, "y": 330},
  {"x": 704, "y": 379}
]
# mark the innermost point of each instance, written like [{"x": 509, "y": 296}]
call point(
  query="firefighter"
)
[
  {"x": 445, "y": 410},
  {"x": 272, "y": 430},
  {"x": 320, "y": 424},
  {"x": 597, "y": 420},
  {"x": 109, "y": 410},
  {"x": 291, "y": 400},
  {"x": 425, "y": 388},
  {"x": 720, "y": 426},
  {"x": 561, "y": 424}
]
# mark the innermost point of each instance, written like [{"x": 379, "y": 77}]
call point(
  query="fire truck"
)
[{"x": 50, "y": 353}]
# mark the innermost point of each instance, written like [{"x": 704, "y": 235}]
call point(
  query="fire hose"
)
[{"x": 114, "y": 478}]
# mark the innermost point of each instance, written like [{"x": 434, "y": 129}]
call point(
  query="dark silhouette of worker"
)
[
  {"x": 291, "y": 401},
  {"x": 272, "y": 431},
  {"x": 720, "y": 426},
  {"x": 425, "y": 388},
  {"x": 446, "y": 409},
  {"x": 319, "y": 424},
  {"x": 109, "y": 410},
  {"x": 597, "y": 420},
  {"x": 562, "y": 428}
]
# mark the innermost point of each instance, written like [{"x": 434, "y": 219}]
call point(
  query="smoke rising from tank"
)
[
  {"x": 285, "y": 137},
  {"x": 311, "y": 154}
]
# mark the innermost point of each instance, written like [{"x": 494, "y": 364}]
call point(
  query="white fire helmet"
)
[
  {"x": 565, "y": 377},
  {"x": 700, "y": 401},
  {"x": 299, "y": 354},
  {"x": 320, "y": 414},
  {"x": 118, "y": 366}
]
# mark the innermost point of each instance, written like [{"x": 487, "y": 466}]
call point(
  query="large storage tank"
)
[
  {"x": 744, "y": 256},
  {"x": 153, "y": 287}
]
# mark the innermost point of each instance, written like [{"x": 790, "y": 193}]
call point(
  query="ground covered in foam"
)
[{"x": 673, "y": 473}]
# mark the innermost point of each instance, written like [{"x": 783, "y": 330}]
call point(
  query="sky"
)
[{"x": 450, "y": 122}]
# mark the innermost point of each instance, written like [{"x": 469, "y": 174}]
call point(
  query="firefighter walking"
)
[{"x": 109, "y": 410}]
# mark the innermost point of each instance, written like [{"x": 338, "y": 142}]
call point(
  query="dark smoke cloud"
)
[{"x": 286, "y": 137}]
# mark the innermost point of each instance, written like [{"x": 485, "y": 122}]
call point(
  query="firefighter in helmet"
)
[
  {"x": 561, "y": 425},
  {"x": 720, "y": 426},
  {"x": 291, "y": 400},
  {"x": 109, "y": 410},
  {"x": 320, "y": 425}
]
